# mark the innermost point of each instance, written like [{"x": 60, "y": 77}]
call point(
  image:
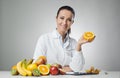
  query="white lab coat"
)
[{"x": 56, "y": 51}]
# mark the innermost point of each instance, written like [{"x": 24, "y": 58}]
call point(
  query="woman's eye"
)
[
  {"x": 61, "y": 18},
  {"x": 69, "y": 20}
]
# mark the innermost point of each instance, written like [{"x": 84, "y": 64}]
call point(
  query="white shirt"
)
[{"x": 56, "y": 51}]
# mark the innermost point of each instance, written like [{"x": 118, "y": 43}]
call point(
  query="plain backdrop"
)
[{"x": 23, "y": 21}]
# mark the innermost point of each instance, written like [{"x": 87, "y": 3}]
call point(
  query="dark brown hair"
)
[{"x": 69, "y": 9}]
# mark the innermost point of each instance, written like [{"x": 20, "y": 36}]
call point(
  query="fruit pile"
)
[
  {"x": 92, "y": 70},
  {"x": 37, "y": 68}
]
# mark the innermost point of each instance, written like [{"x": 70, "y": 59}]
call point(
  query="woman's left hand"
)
[{"x": 82, "y": 41}]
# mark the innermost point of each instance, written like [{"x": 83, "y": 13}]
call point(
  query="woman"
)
[{"x": 58, "y": 46}]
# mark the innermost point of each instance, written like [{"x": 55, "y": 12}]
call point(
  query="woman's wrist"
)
[{"x": 78, "y": 47}]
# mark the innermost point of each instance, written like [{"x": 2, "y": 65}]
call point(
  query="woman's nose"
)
[{"x": 65, "y": 22}]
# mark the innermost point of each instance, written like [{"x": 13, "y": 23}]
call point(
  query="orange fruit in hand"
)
[
  {"x": 89, "y": 36},
  {"x": 44, "y": 69},
  {"x": 32, "y": 66}
]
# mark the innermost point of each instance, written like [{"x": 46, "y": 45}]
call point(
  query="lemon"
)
[{"x": 32, "y": 66}]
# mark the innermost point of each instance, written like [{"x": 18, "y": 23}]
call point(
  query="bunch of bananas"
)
[{"x": 21, "y": 68}]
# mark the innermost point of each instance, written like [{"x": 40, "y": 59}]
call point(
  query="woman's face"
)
[{"x": 64, "y": 21}]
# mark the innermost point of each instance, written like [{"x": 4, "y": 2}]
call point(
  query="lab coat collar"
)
[{"x": 56, "y": 35}]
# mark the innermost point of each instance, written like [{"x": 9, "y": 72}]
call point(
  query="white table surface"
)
[{"x": 110, "y": 74}]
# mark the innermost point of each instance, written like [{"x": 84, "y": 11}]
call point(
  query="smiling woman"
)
[{"x": 58, "y": 46}]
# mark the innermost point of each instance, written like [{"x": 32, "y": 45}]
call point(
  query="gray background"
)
[{"x": 23, "y": 21}]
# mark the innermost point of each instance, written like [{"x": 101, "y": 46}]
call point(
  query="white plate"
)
[{"x": 78, "y": 73}]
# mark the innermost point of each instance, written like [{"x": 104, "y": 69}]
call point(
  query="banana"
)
[
  {"x": 20, "y": 68},
  {"x": 29, "y": 62},
  {"x": 29, "y": 73}
]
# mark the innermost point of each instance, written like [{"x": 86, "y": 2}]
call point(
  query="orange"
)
[
  {"x": 14, "y": 67},
  {"x": 41, "y": 60},
  {"x": 32, "y": 66},
  {"x": 44, "y": 69},
  {"x": 89, "y": 36}
]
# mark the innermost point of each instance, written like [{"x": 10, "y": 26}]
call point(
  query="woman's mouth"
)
[{"x": 63, "y": 26}]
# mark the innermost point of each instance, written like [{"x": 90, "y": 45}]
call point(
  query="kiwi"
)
[
  {"x": 14, "y": 72},
  {"x": 36, "y": 72}
]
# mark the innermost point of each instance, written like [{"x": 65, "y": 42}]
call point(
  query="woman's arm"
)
[
  {"x": 78, "y": 60},
  {"x": 80, "y": 42}
]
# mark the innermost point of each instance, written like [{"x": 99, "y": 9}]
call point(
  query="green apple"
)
[{"x": 49, "y": 65}]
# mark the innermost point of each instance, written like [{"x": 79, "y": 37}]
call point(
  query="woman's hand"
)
[
  {"x": 67, "y": 69},
  {"x": 82, "y": 41}
]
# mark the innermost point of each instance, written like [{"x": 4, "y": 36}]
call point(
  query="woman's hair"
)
[{"x": 69, "y": 9}]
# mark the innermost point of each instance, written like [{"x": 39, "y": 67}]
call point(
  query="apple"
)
[
  {"x": 49, "y": 65},
  {"x": 54, "y": 70}
]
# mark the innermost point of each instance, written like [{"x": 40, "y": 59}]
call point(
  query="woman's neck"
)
[{"x": 63, "y": 34}]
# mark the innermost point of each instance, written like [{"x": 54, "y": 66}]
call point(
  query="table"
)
[{"x": 102, "y": 74}]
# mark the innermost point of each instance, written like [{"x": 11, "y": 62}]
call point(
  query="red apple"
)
[{"x": 54, "y": 70}]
